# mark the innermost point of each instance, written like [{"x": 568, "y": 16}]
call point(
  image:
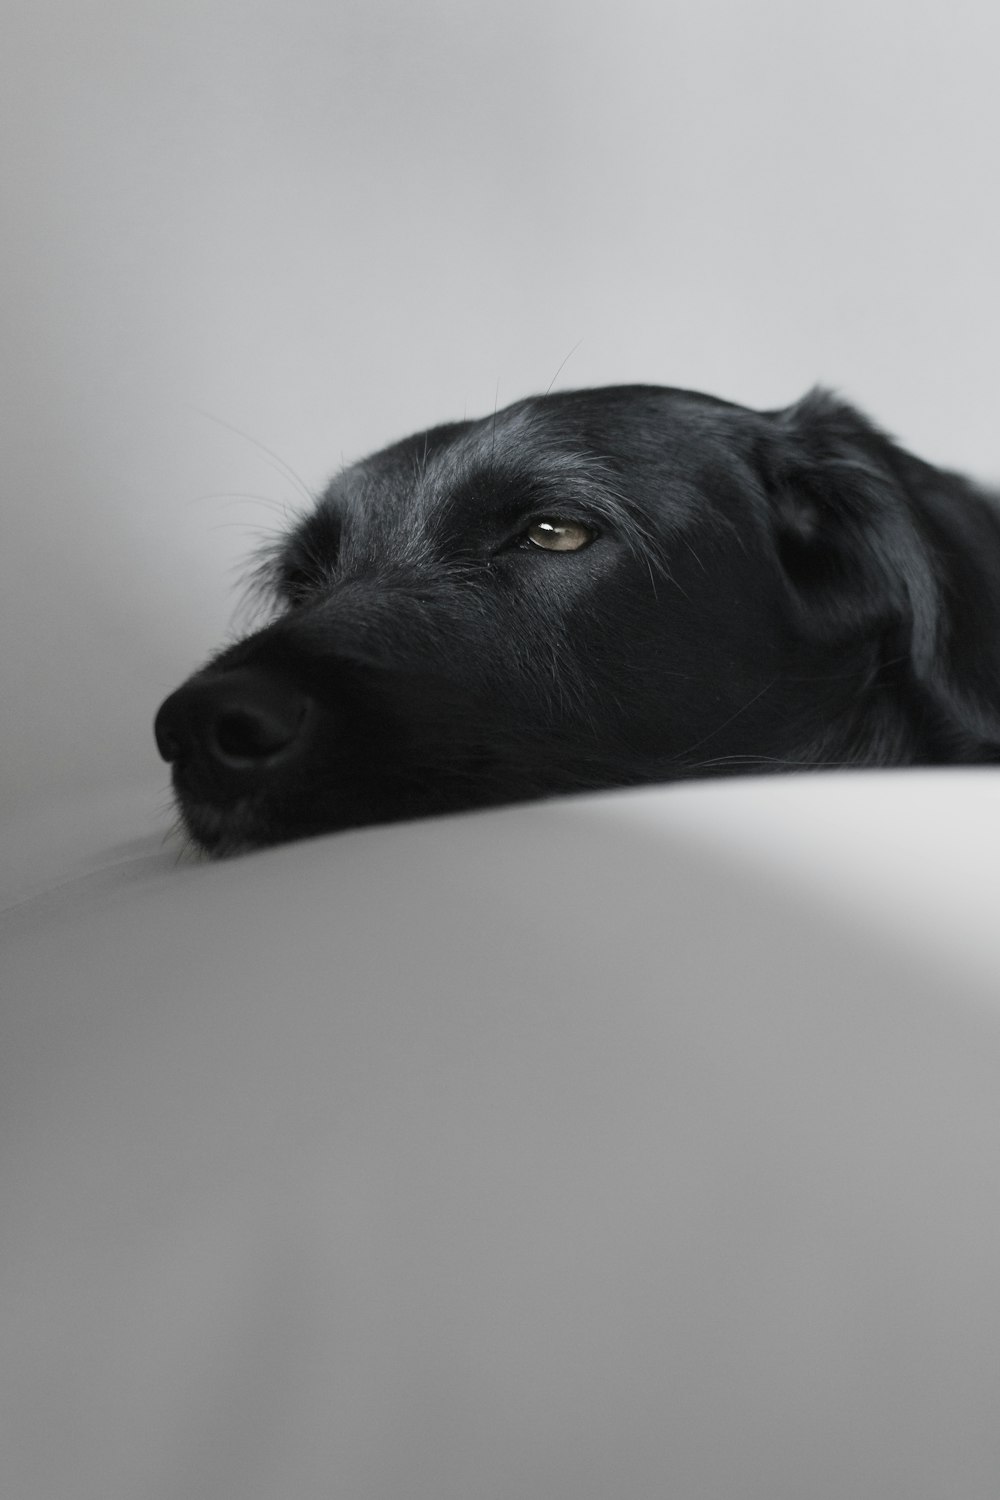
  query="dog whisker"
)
[
  {"x": 565, "y": 362},
  {"x": 730, "y": 720},
  {"x": 276, "y": 459}
]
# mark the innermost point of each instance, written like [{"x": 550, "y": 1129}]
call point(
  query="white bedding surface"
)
[{"x": 638, "y": 1145}]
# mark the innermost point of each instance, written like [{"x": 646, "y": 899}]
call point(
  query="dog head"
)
[{"x": 596, "y": 589}]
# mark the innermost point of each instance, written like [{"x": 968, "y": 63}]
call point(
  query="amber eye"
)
[{"x": 559, "y": 536}]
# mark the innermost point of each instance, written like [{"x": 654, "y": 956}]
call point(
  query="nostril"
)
[
  {"x": 248, "y": 733},
  {"x": 168, "y": 745},
  {"x": 239, "y": 721},
  {"x": 166, "y": 730}
]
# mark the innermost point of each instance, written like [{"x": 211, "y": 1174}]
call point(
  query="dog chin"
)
[{"x": 223, "y": 832}]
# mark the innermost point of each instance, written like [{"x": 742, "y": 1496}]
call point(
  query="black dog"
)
[{"x": 598, "y": 589}]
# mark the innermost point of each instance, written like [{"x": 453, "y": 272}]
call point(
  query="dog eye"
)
[{"x": 559, "y": 536}]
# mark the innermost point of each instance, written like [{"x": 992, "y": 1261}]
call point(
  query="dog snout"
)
[{"x": 238, "y": 723}]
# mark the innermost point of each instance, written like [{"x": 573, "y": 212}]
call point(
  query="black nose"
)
[{"x": 238, "y": 722}]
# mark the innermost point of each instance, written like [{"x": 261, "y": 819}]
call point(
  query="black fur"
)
[{"x": 763, "y": 591}]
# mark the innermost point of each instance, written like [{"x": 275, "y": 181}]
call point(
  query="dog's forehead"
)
[
  {"x": 414, "y": 482},
  {"x": 646, "y": 445}
]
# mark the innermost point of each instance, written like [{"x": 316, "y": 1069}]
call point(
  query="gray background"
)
[
  {"x": 328, "y": 224},
  {"x": 572, "y": 1145}
]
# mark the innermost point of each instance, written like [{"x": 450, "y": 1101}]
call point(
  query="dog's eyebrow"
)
[
  {"x": 321, "y": 532},
  {"x": 516, "y": 478},
  {"x": 314, "y": 541}
]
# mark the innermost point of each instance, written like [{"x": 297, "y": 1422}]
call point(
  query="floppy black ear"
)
[{"x": 875, "y": 542}]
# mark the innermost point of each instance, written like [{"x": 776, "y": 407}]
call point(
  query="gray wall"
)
[{"x": 328, "y": 224}]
